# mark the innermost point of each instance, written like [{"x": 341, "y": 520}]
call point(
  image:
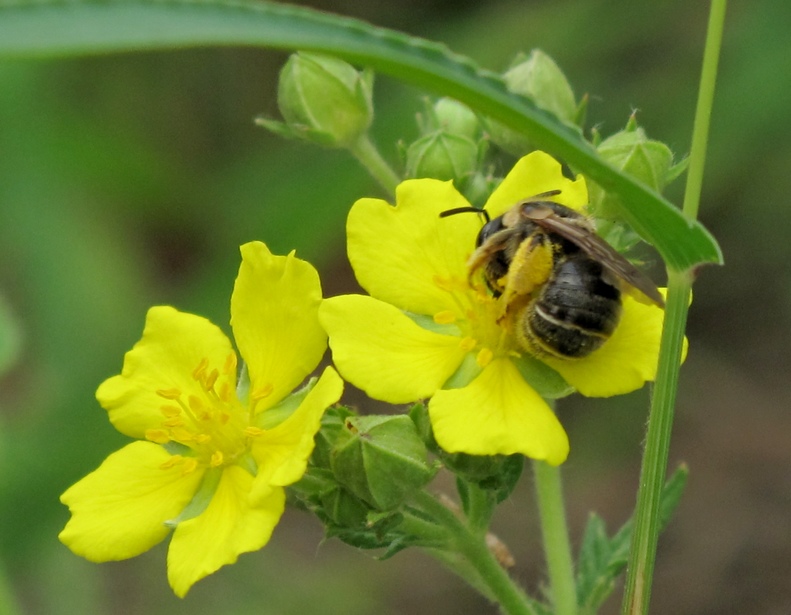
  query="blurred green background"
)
[{"x": 131, "y": 180}]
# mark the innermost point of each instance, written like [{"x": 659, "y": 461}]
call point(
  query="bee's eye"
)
[{"x": 489, "y": 229}]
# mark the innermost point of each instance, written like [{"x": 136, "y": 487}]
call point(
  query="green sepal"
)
[
  {"x": 332, "y": 424},
  {"x": 603, "y": 559},
  {"x": 381, "y": 460},
  {"x": 200, "y": 501},
  {"x": 496, "y": 474}
]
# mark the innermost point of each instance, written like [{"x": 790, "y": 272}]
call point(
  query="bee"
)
[{"x": 558, "y": 282}]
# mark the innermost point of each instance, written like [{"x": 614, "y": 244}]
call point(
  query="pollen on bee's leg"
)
[
  {"x": 444, "y": 317},
  {"x": 484, "y": 357}
]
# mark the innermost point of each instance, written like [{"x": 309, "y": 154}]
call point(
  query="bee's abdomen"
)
[{"x": 575, "y": 312}]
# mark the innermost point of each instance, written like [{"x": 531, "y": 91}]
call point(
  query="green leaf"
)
[
  {"x": 10, "y": 337},
  {"x": 87, "y": 27},
  {"x": 602, "y": 559}
]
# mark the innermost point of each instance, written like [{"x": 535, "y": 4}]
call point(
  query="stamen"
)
[
  {"x": 467, "y": 344},
  {"x": 202, "y": 438},
  {"x": 169, "y": 393},
  {"x": 229, "y": 367},
  {"x": 181, "y": 435},
  {"x": 196, "y": 405},
  {"x": 174, "y": 421},
  {"x": 443, "y": 283},
  {"x": 199, "y": 371},
  {"x": 158, "y": 436},
  {"x": 485, "y": 356},
  {"x": 445, "y": 317},
  {"x": 170, "y": 411},
  {"x": 210, "y": 379},
  {"x": 216, "y": 459},
  {"x": 253, "y": 432},
  {"x": 263, "y": 392},
  {"x": 171, "y": 461},
  {"x": 190, "y": 464},
  {"x": 225, "y": 391}
]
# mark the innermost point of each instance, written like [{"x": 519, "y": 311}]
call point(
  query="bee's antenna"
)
[
  {"x": 461, "y": 210},
  {"x": 544, "y": 195}
]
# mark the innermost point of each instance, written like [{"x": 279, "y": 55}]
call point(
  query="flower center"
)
[{"x": 209, "y": 420}]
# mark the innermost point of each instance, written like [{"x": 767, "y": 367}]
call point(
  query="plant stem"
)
[
  {"x": 472, "y": 546},
  {"x": 646, "y": 518},
  {"x": 368, "y": 156},
  {"x": 556, "y": 538}
]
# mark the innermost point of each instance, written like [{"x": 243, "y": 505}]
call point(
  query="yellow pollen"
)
[
  {"x": 169, "y": 393},
  {"x": 202, "y": 438},
  {"x": 199, "y": 371},
  {"x": 467, "y": 344},
  {"x": 445, "y": 317},
  {"x": 174, "y": 421},
  {"x": 230, "y": 364},
  {"x": 485, "y": 356},
  {"x": 443, "y": 283},
  {"x": 264, "y": 391},
  {"x": 181, "y": 435},
  {"x": 253, "y": 432},
  {"x": 158, "y": 436},
  {"x": 170, "y": 411},
  {"x": 172, "y": 461},
  {"x": 190, "y": 464},
  {"x": 216, "y": 459}
]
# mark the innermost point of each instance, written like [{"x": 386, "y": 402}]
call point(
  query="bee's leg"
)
[{"x": 530, "y": 268}]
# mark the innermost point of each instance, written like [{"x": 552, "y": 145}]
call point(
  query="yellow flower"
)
[
  {"x": 211, "y": 461},
  {"x": 425, "y": 332}
]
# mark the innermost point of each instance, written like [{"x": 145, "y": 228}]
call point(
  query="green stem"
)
[
  {"x": 646, "y": 518},
  {"x": 368, "y": 156},
  {"x": 556, "y": 538},
  {"x": 481, "y": 507},
  {"x": 498, "y": 585},
  {"x": 8, "y": 603}
]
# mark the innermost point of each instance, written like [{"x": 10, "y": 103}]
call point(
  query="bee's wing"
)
[{"x": 598, "y": 249}]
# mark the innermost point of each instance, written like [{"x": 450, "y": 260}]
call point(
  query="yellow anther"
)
[
  {"x": 467, "y": 344},
  {"x": 202, "y": 438},
  {"x": 443, "y": 283},
  {"x": 158, "y": 436},
  {"x": 261, "y": 393},
  {"x": 445, "y": 317},
  {"x": 485, "y": 356},
  {"x": 211, "y": 378},
  {"x": 171, "y": 461},
  {"x": 170, "y": 411},
  {"x": 224, "y": 418},
  {"x": 199, "y": 371},
  {"x": 196, "y": 405},
  {"x": 189, "y": 466},
  {"x": 181, "y": 435},
  {"x": 173, "y": 421},
  {"x": 225, "y": 391},
  {"x": 169, "y": 393},
  {"x": 229, "y": 367},
  {"x": 253, "y": 432},
  {"x": 216, "y": 459}
]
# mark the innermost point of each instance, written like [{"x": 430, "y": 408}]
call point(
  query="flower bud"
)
[
  {"x": 323, "y": 100},
  {"x": 381, "y": 460},
  {"x": 497, "y": 473},
  {"x": 631, "y": 151},
  {"x": 538, "y": 78},
  {"x": 442, "y": 155},
  {"x": 455, "y": 118}
]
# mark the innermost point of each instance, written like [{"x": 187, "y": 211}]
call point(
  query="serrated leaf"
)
[
  {"x": 602, "y": 559},
  {"x": 89, "y": 27}
]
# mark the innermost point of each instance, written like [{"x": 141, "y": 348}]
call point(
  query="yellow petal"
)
[
  {"x": 282, "y": 452},
  {"x": 382, "y": 351},
  {"x": 399, "y": 254},
  {"x": 173, "y": 345},
  {"x": 228, "y": 527},
  {"x": 274, "y": 315},
  {"x": 626, "y": 361},
  {"x": 119, "y": 510},
  {"x": 533, "y": 174},
  {"x": 498, "y": 414}
]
